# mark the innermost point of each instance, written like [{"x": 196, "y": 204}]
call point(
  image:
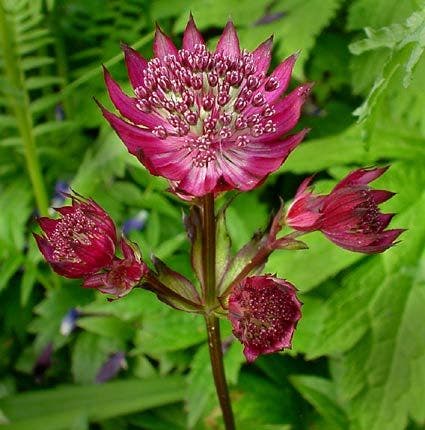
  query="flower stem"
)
[
  {"x": 208, "y": 251},
  {"x": 210, "y": 297},
  {"x": 216, "y": 357}
]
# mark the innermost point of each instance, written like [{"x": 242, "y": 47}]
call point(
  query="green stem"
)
[
  {"x": 208, "y": 251},
  {"x": 18, "y": 99},
  {"x": 216, "y": 358},
  {"x": 212, "y": 322}
]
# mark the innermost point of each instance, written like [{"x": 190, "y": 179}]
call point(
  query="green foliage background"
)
[{"x": 358, "y": 360}]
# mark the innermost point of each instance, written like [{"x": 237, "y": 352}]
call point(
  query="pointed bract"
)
[
  {"x": 163, "y": 45},
  {"x": 228, "y": 44},
  {"x": 135, "y": 64},
  {"x": 191, "y": 35}
]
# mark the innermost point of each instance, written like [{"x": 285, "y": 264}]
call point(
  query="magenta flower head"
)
[
  {"x": 122, "y": 275},
  {"x": 349, "y": 216},
  {"x": 264, "y": 312},
  {"x": 81, "y": 241},
  {"x": 207, "y": 121}
]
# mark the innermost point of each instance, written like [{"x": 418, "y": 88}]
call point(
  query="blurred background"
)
[{"x": 71, "y": 360}]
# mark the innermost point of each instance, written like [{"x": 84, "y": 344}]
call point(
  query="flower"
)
[
  {"x": 82, "y": 241},
  {"x": 207, "y": 121},
  {"x": 264, "y": 312},
  {"x": 122, "y": 275},
  {"x": 349, "y": 216}
]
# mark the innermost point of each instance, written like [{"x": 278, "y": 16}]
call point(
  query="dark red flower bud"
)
[
  {"x": 264, "y": 312},
  {"x": 123, "y": 274},
  {"x": 80, "y": 242},
  {"x": 349, "y": 216}
]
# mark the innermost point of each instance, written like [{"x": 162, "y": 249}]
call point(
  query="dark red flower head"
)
[
  {"x": 207, "y": 121},
  {"x": 349, "y": 216},
  {"x": 264, "y": 312},
  {"x": 123, "y": 274},
  {"x": 82, "y": 241}
]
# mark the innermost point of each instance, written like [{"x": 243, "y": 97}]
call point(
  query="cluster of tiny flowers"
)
[
  {"x": 82, "y": 243},
  {"x": 209, "y": 122},
  {"x": 349, "y": 215},
  {"x": 264, "y": 312}
]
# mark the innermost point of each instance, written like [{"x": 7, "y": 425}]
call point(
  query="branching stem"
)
[{"x": 210, "y": 298}]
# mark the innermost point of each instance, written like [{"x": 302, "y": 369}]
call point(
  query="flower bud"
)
[
  {"x": 123, "y": 274},
  {"x": 79, "y": 243}
]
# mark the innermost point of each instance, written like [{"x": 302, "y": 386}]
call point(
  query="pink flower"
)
[
  {"x": 349, "y": 216},
  {"x": 81, "y": 241},
  {"x": 264, "y": 312},
  {"x": 207, "y": 121},
  {"x": 122, "y": 275}
]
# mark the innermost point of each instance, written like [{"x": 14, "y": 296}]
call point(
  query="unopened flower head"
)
[
  {"x": 264, "y": 312},
  {"x": 207, "y": 121},
  {"x": 349, "y": 216},
  {"x": 81, "y": 241},
  {"x": 122, "y": 275}
]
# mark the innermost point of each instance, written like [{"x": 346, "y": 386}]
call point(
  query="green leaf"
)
[
  {"x": 374, "y": 322},
  {"x": 60, "y": 408},
  {"x": 107, "y": 326},
  {"x": 52, "y": 310},
  {"x": 37, "y": 82},
  {"x": 321, "y": 393},
  {"x": 90, "y": 353},
  {"x": 170, "y": 246},
  {"x": 165, "y": 330},
  {"x": 323, "y": 259},
  {"x": 200, "y": 390},
  {"x": 364, "y": 13}
]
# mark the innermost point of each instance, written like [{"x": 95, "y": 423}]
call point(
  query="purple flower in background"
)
[
  {"x": 136, "y": 223},
  {"x": 111, "y": 367},
  {"x": 69, "y": 322}
]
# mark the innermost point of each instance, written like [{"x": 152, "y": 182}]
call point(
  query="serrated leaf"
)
[
  {"x": 29, "y": 63},
  {"x": 108, "y": 326},
  {"x": 46, "y": 102},
  {"x": 321, "y": 394},
  {"x": 37, "y": 82},
  {"x": 374, "y": 322},
  {"x": 308, "y": 268},
  {"x": 33, "y": 46},
  {"x": 165, "y": 330},
  {"x": 90, "y": 352},
  {"x": 200, "y": 389},
  {"x": 53, "y": 127},
  {"x": 52, "y": 310}
]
